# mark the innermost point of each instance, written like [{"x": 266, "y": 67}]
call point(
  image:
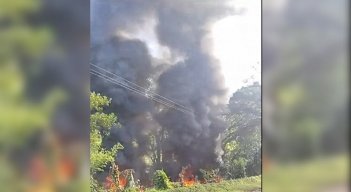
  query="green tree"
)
[
  {"x": 100, "y": 125},
  {"x": 242, "y": 142}
]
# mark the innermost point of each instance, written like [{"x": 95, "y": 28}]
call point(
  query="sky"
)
[{"x": 237, "y": 45}]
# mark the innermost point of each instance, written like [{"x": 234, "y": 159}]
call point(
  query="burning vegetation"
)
[
  {"x": 186, "y": 176},
  {"x": 121, "y": 180},
  {"x": 162, "y": 165}
]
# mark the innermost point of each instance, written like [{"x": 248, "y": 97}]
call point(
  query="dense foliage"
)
[
  {"x": 242, "y": 142},
  {"x": 100, "y": 125},
  {"x": 161, "y": 180}
]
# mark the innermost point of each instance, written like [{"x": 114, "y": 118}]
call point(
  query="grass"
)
[
  {"x": 313, "y": 175},
  {"x": 239, "y": 185}
]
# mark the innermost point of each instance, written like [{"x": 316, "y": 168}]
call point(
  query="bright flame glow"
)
[{"x": 186, "y": 176}]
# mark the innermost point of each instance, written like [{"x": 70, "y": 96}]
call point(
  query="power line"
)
[
  {"x": 136, "y": 85},
  {"x": 111, "y": 80},
  {"x": 136, "y": 91}
]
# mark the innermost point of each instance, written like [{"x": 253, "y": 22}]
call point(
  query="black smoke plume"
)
[{"x": 190, "y": 75}]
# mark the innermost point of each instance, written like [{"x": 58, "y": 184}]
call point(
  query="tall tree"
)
[
  {"x": 100, "y": 125},
  {"x": 242, "y": 142}
]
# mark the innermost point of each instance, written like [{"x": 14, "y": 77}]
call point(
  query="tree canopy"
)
[{"x": 242, "y": 141}]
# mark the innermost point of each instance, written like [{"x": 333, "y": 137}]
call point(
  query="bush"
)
[
  {"x": 210, "y": 176},
  {"x": 161, "y": 181},
  {"x": 235, "y": 168},
  {"x": 240, "y": 167}
]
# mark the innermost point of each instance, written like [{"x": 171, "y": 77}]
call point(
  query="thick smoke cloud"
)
[{"x": 194, "y": 80}]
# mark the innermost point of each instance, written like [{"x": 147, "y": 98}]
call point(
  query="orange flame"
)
[
  {"x": 122, "y": 181},
  {"x": 109, "y": 184},
  {"x": 188, "y": 182},
  {"x": 186, "y": 176}
]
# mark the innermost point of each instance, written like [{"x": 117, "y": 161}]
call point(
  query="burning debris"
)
[
  {"x": 119, "y": 180},
  {"x": 187, "y": 177}
]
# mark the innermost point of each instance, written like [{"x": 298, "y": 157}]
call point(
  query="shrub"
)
[
  {"x": 210, "y": 176},
  {"x": 240, "y": 167},
  {"x": 161, "y": 181},
  {"x": 235, "y": 168}
]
